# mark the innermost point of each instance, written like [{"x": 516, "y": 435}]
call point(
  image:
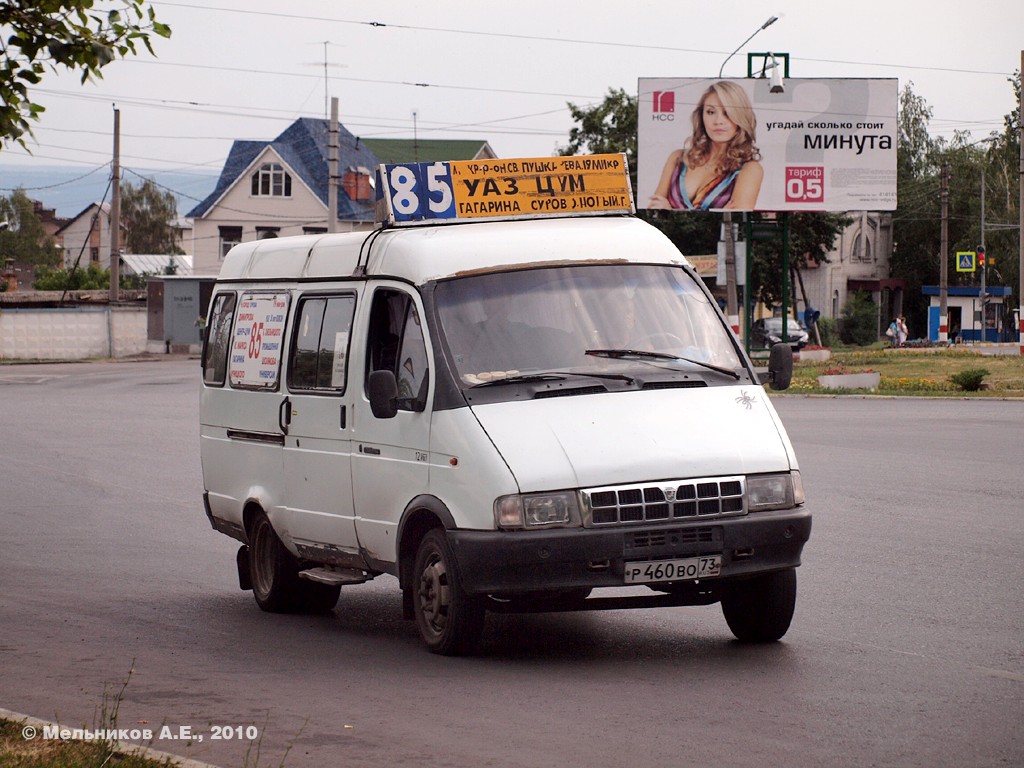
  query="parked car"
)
[{"x": 768, "y": 332}]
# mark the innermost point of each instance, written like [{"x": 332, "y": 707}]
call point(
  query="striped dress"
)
[{"x": 715, "y": 194}]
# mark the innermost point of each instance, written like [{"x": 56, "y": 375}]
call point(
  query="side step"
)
[{"x": 335, "y": 576}]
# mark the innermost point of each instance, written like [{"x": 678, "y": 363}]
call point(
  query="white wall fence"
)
[{"x": 72, "y": 333}]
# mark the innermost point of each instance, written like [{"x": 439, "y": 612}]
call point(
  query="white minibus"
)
[{"x": 524, "y": 401}]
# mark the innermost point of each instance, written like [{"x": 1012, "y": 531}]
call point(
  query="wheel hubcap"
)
[
  {"x": 434, "y": 598},
  {"x": 263, "y": 570}
]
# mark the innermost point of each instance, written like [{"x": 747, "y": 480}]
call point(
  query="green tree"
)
[
  {"x": 148, "y": 215},
  {"x": 811, "y": 238},
  {"x": 24, "y": 239},
  {"x": 62, "y": 34},
  {"x": 93, "y": 278},
  {"x": 917, "y": 220},
  {"x": 610, "y": 127}
]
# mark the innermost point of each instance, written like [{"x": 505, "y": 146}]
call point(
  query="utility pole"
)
[
  {"x": 943, "y": 255},
  {"x": 1020, "y": 212},
  {"x": 981, "y": 257},
  {"x": 332, "y": 169},
  {"x": 730, "y": 275},
  {"x": 115, "y": 213}
]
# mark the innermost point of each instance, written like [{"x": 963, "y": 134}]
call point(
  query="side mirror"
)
[
  {"x": 780, "y": 366},
  {"x": 383, "y": 391}
]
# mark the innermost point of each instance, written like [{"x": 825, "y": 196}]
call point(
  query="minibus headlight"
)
[
  {"x": 774, "y": 491},
  {"x": 537, "y": 510}
]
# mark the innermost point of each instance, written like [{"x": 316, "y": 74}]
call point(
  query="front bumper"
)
[{"x": 515, "y": 562}]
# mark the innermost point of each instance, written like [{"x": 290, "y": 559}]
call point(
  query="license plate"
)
[{"x": 647, "y": 571}]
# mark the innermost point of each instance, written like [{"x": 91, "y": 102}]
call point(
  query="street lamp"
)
[
  {"x": 730, "y": 244},
  {"x": 771, "y": 20}
]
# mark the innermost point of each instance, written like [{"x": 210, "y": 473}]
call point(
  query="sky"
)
[{"x": 502, "y": 72}]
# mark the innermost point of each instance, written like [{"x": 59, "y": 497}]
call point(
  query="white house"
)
[{"x": 280, "y": 187}]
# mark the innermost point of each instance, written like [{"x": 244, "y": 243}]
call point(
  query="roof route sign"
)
[{"x": 465, "y": 190}]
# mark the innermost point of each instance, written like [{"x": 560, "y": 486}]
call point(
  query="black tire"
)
[
  {"x": 759, "y": 610},
  {"x": 274, "y": 573},
  {"x": 450, "y": 621}
]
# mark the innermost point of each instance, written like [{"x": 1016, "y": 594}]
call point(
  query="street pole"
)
[
  {"x": 730, "y": 275},
  {"x": 332, "y": 165},
  {"x": 730, "y": 244},
  {"x": 943, "y": 255},
  {"x": 115, "y": 213},
  {"x": 982, "y": 257},
  {"x": 1020, "y": 212}
]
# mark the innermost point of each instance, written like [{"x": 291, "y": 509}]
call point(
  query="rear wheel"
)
[
  {"x": 449, "y": 620},
  {"x": 274, "y": 573},
  {"x": 759, "y": 610}
]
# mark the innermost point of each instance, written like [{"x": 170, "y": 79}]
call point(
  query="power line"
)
[{"x": 565, "y": 40}]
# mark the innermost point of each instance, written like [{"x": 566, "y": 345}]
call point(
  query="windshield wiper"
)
[
  {"x": 520, "y": 378},
  {"x": 640, "y": 354}
]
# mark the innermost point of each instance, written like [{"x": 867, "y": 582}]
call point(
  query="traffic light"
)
[{"x": 981, "y": 255}]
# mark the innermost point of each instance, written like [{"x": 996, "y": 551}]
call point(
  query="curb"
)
[{"x": 119, "y": 747}]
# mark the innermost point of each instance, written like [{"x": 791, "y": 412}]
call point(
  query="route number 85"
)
[{"x": 421, "y": 191}]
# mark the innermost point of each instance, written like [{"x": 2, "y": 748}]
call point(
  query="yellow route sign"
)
[{"x": 420, "y": 193}]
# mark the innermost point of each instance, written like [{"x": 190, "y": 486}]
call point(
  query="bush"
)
[
  {"x": 827, "y": 331},
  {"x": 92, "y": 278},
  {"x": 858, "y": 323},
  {"x": 969, "y": 380}
]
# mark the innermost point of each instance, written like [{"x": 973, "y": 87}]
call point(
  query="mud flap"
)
[{"x": 242, "y": 559}]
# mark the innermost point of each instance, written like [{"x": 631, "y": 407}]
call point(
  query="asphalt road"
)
[{"x": 906, "y": 650}]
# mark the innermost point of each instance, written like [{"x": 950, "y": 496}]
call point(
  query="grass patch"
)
[
  {"x": 16, "y": 751},
  {"x": 930, "y": 372}
]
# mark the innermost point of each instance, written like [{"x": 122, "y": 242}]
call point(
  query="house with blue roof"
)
[{"x": 279, "y": 187}]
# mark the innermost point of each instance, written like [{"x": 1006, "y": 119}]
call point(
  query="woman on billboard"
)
[{"x": 718, "y": 166}]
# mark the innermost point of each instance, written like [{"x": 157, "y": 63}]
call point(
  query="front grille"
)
[
  {"x": 673, "y": 536},
  {"x": 669, "y": 500}
]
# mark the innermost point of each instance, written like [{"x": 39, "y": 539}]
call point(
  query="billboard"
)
[{"x": 714, "y": 144}]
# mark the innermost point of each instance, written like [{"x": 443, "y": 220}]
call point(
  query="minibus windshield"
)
[{"x": 506, "y": 324}]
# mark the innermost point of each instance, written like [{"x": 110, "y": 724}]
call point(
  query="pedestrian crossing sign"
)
[{"x": 965, "y": 261}]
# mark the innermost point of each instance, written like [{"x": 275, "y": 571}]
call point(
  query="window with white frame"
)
[
  {"x": 271, "y": 180},
  {"x": 229, "y": 238}
]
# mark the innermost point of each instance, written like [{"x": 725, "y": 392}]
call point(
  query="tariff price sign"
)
[{"x": 805, "y": 184}]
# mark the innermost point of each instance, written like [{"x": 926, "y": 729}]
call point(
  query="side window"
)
[
  {"x": 319, "y": 357},
  {"x": 218, "y": 343},
  {"x": 412, "y": 364},
  {"x": 396, "y": 343},
  {"x": 256, "y": 346}
]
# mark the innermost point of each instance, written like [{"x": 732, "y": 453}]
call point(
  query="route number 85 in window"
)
[{"x": 420, "y": 191}]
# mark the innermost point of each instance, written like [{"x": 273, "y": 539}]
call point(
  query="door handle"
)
[{"x": 284, "y": 415}]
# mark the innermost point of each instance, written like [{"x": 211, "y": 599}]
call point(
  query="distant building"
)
[
  {"x": 280, "y": 187},
  {"x": 85, "y": 238},
  {"x": 859, "y": 261}
]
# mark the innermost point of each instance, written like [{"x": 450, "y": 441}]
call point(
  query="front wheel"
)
[
  {"x": 760, "y": 609},
  {"x": 449, "y": 620},
  {"x": 274, "y": 573}
]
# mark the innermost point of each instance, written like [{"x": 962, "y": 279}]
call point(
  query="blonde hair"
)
[{"x": 742, "y": 147}]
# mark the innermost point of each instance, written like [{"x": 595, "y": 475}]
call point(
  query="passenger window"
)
[
  {"x": 319, "y": 358},
  {"x": 397, "y": 344},
  {"x": 218, "y": 339}
]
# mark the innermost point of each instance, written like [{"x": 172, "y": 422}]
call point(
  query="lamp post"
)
[{"x": 730, "y": 243}]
